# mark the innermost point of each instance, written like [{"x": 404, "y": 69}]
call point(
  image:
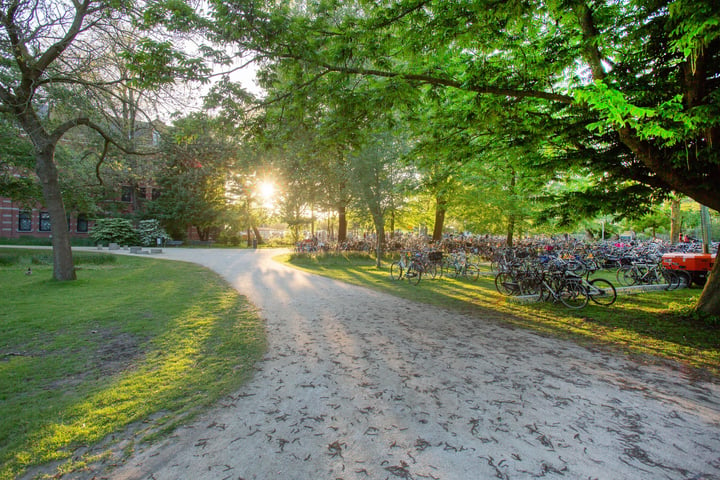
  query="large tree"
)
[
  {"x": 194, "y": 178},
  {"x": 635, "y": 82},
  {"x": 53, "y": 64}
]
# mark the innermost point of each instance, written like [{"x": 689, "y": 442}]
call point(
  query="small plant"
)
[{"x": 114, "y": 230}]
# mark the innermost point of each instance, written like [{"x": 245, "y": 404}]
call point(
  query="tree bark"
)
[
  {"x": 709, "y": 301},
  {"x": 510, "y": 230},
  {"x": 258, "y": 235},
  {"x": 440, "y": 209},
  {"x": 63, "y": 267},
  {"x": 342, "y": 224},
  {"x": 675, "y": 220},
  {"x": 379, "y": 221}
]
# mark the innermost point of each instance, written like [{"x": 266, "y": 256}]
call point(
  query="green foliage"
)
[
  {"x": 114, "y": 230},
  {"x": 668, "y": 121},
  {"x": 149, "y": 231},
  {"x": 198, "y": 154}
]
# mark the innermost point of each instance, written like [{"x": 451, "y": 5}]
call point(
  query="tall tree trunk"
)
[
  {"x": 674, "y": 220},
  {"x": 342, "y": 224},
  {"x": 709, "y": 301},
  {"x": 440, "y": 209},
  {"x": 258, "y": 235},
  {"x": 63, "y": 268},
  {"x": 380, "y": 244},
  {"x": 510, "y": 230},
  {"x": 379, "y": 221}
]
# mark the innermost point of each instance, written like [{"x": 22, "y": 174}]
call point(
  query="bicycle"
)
[
  {"x": 566, "y": 288},
  {"x": 639, "y": 274},
  {"x": 415, "y": 269},
  {"x": 458, "y": 265},
  {"x": 399, "y": 267},
  {"x": 600, "y": 291}
]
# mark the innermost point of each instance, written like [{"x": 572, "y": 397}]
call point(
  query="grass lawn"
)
[
  {"x": 655, "y": 325},
  {"x": 134, "y": 346}
]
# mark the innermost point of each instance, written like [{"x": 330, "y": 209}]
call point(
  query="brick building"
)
[{"x": 18, "y": 221}]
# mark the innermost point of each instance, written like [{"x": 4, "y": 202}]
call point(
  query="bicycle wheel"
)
[
  {"x": 431, "y": 270},
  {"x": 627, "y": 276},
  {"x": 472, "y": 272},
  {"x": 396, "y": 270},
  {"x": 543, "y": 294},
  {"x": 671, "y": 278},
  {"x": 504, "y": 284},
  {"x": 533, "y": 285},
  {"x": 574, "y": 295},
  {"x": 413, "y": 274},
  {"x": 602, "y": 292}
]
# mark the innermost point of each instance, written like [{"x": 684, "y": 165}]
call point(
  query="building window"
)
[
  {"x": 155, "y": 193},
  {"x": 44, "y": 222},
  {"x": 126, "y": 194},
  {"x": 24, "y": 222},
  {"x": 82, "y": 224},
  {"x": 142, "y": 192}
]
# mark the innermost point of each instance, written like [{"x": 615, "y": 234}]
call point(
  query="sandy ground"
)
[{"x": 361, "y": 385}]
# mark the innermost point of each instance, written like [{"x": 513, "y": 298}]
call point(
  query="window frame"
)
[
  {"x": 24, "y": 218},
  {"x": 45, "y": 223}
]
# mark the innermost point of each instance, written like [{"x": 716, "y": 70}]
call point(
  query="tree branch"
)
[
  {"x": 438, "y": 81},
  {"x": 62, "y": 129}
]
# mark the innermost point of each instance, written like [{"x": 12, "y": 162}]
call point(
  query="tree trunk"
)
[
  {"x": 510, "y": 230},
  {"x": 203, "y": 233},
  {"x": 258, "y": 236},
  {"x": 674, "y": 220},
  {"x": 342, "y": 224},
  {"x": 63, "y": 267},
  {"x": 709, "y": 301},
  {"x": 440, "y": 209},
  {"x": 379, "y": 221}
]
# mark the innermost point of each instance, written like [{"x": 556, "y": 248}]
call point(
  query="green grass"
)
[
  {"x": 134, "y": 345},
  {"x": 656, "y": 325}
]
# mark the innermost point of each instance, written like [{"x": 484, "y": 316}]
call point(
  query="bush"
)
[
  {"x": 149, "y": 231},
  {"x": 114, "y": 230},
  {"x": 230, "y": 238}
]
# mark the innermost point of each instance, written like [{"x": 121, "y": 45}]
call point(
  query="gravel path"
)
[{"x": 360, "y": 385}]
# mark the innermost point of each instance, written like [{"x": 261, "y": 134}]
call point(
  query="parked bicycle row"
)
[
  {"x": 414, "y": 265},
  {"x": 554, "y": 281}
]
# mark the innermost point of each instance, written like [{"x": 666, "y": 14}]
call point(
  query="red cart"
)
[{"x": 698, "y": 265}]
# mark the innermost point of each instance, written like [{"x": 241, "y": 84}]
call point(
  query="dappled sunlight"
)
[
  {"x": 165, "y": 350},
  {"x": 486, "y": 303}
]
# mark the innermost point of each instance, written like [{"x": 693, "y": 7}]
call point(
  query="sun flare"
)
[{"x": 267, "y": 191}]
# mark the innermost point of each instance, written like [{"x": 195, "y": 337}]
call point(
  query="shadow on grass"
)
[
  {"x": 140, "y": 344},
  {"x": 649, "y": 323}
]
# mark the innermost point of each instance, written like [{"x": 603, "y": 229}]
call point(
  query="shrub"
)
[
  {"x": 149, "y": 231},
  {"x": 114, "y": 230}
]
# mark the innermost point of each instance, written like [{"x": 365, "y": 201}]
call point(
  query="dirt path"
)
[{"x": 360, "y": 385}]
